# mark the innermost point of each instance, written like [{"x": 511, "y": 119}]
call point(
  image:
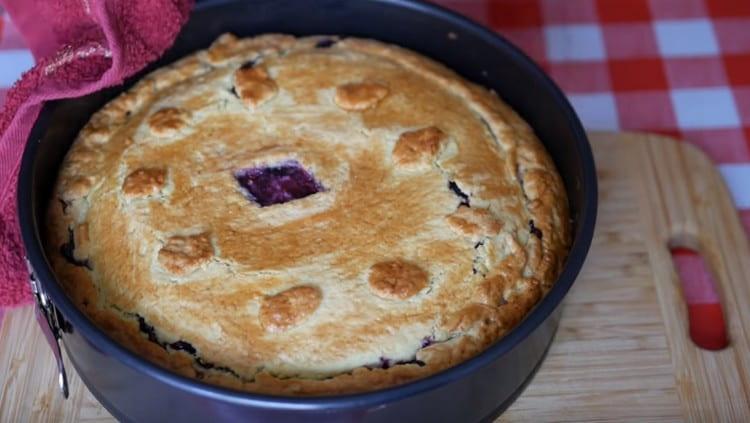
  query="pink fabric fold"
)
[{"x": 80, "y": 46}]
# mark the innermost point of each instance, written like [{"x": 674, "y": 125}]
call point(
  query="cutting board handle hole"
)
[{"x": 699, "y": 289}]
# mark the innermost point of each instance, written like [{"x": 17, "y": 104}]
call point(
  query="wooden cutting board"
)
[{"x": 622, "y": 352}]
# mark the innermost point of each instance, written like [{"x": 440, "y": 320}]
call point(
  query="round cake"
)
[{"x": 307, "y": 216}]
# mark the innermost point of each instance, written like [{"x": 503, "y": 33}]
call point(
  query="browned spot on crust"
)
[
  {"x": 144, "y": 181},
  {"x": 254, "y": 86},
  {"x": 397, "y": 279},
  {"x": 181, "y": 255},
  {"x": 289, "y": 308},
  {"x": 168, "y": 121},
  {"x": 474, "y": 222},
  {"x": 359, "y": 95},
  {"x": 418, "y": 147}
]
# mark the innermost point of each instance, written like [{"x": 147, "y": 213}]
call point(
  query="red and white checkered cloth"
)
[{"x": 676, "y": 67}]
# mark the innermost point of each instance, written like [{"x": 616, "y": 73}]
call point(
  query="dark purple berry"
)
[
  {"x": 325, "y": 43},
  {"x": 67, "y": 251},
  {"x": 453, "y": 186},
  {"x": 534, "y": 230},
  {"x": 277, "y": 184},
  {"x": 183, "y": 346},
  {"x": 149, "y": 331}
]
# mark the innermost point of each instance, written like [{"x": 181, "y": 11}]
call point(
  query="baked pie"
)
[{"x": 307, "y": 216}]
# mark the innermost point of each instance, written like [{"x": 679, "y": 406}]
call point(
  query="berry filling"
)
[
  {"x": 67, "y": 249},
  {"x": 149, "y": 331},
  {"x": 181, "y": 345},
  {"x": 534, "y": 230},
  {"x": 474, "y": 269},
  {"x": 453, "y": 186},
  {"x": 249, "y": 64},
  {"x": 269, "y": 185},
  {"x": 211, "y": 366},
  {"x": 325, "y": 43},
  {"x": 387, "y": 363}
]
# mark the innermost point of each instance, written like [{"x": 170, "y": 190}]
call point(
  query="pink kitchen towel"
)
[{"x": 80, "y": 46}]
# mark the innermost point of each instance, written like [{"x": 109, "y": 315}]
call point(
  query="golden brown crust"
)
[
  {"x": 397, "y": 279},
  {"x": 77, "y": 187},
  {"x": 474, "y": 222},
  {"x": 181, "y": 255},
  {"x": 168, "y": 121},
  {"x": 425, "y": 246},
  {"x": 289, "y": 308},
  {"x": 254, "y": 86},
  {"x": 419, "y": 147},
  {"x": 358, "y": 96},
  {"x": 144, "y": 181}
]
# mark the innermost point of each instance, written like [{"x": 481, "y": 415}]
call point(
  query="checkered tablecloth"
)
[{"x": 676, "y": 67}]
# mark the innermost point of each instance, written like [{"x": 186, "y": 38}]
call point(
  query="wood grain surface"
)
[{"x": 622, "y": 352}]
